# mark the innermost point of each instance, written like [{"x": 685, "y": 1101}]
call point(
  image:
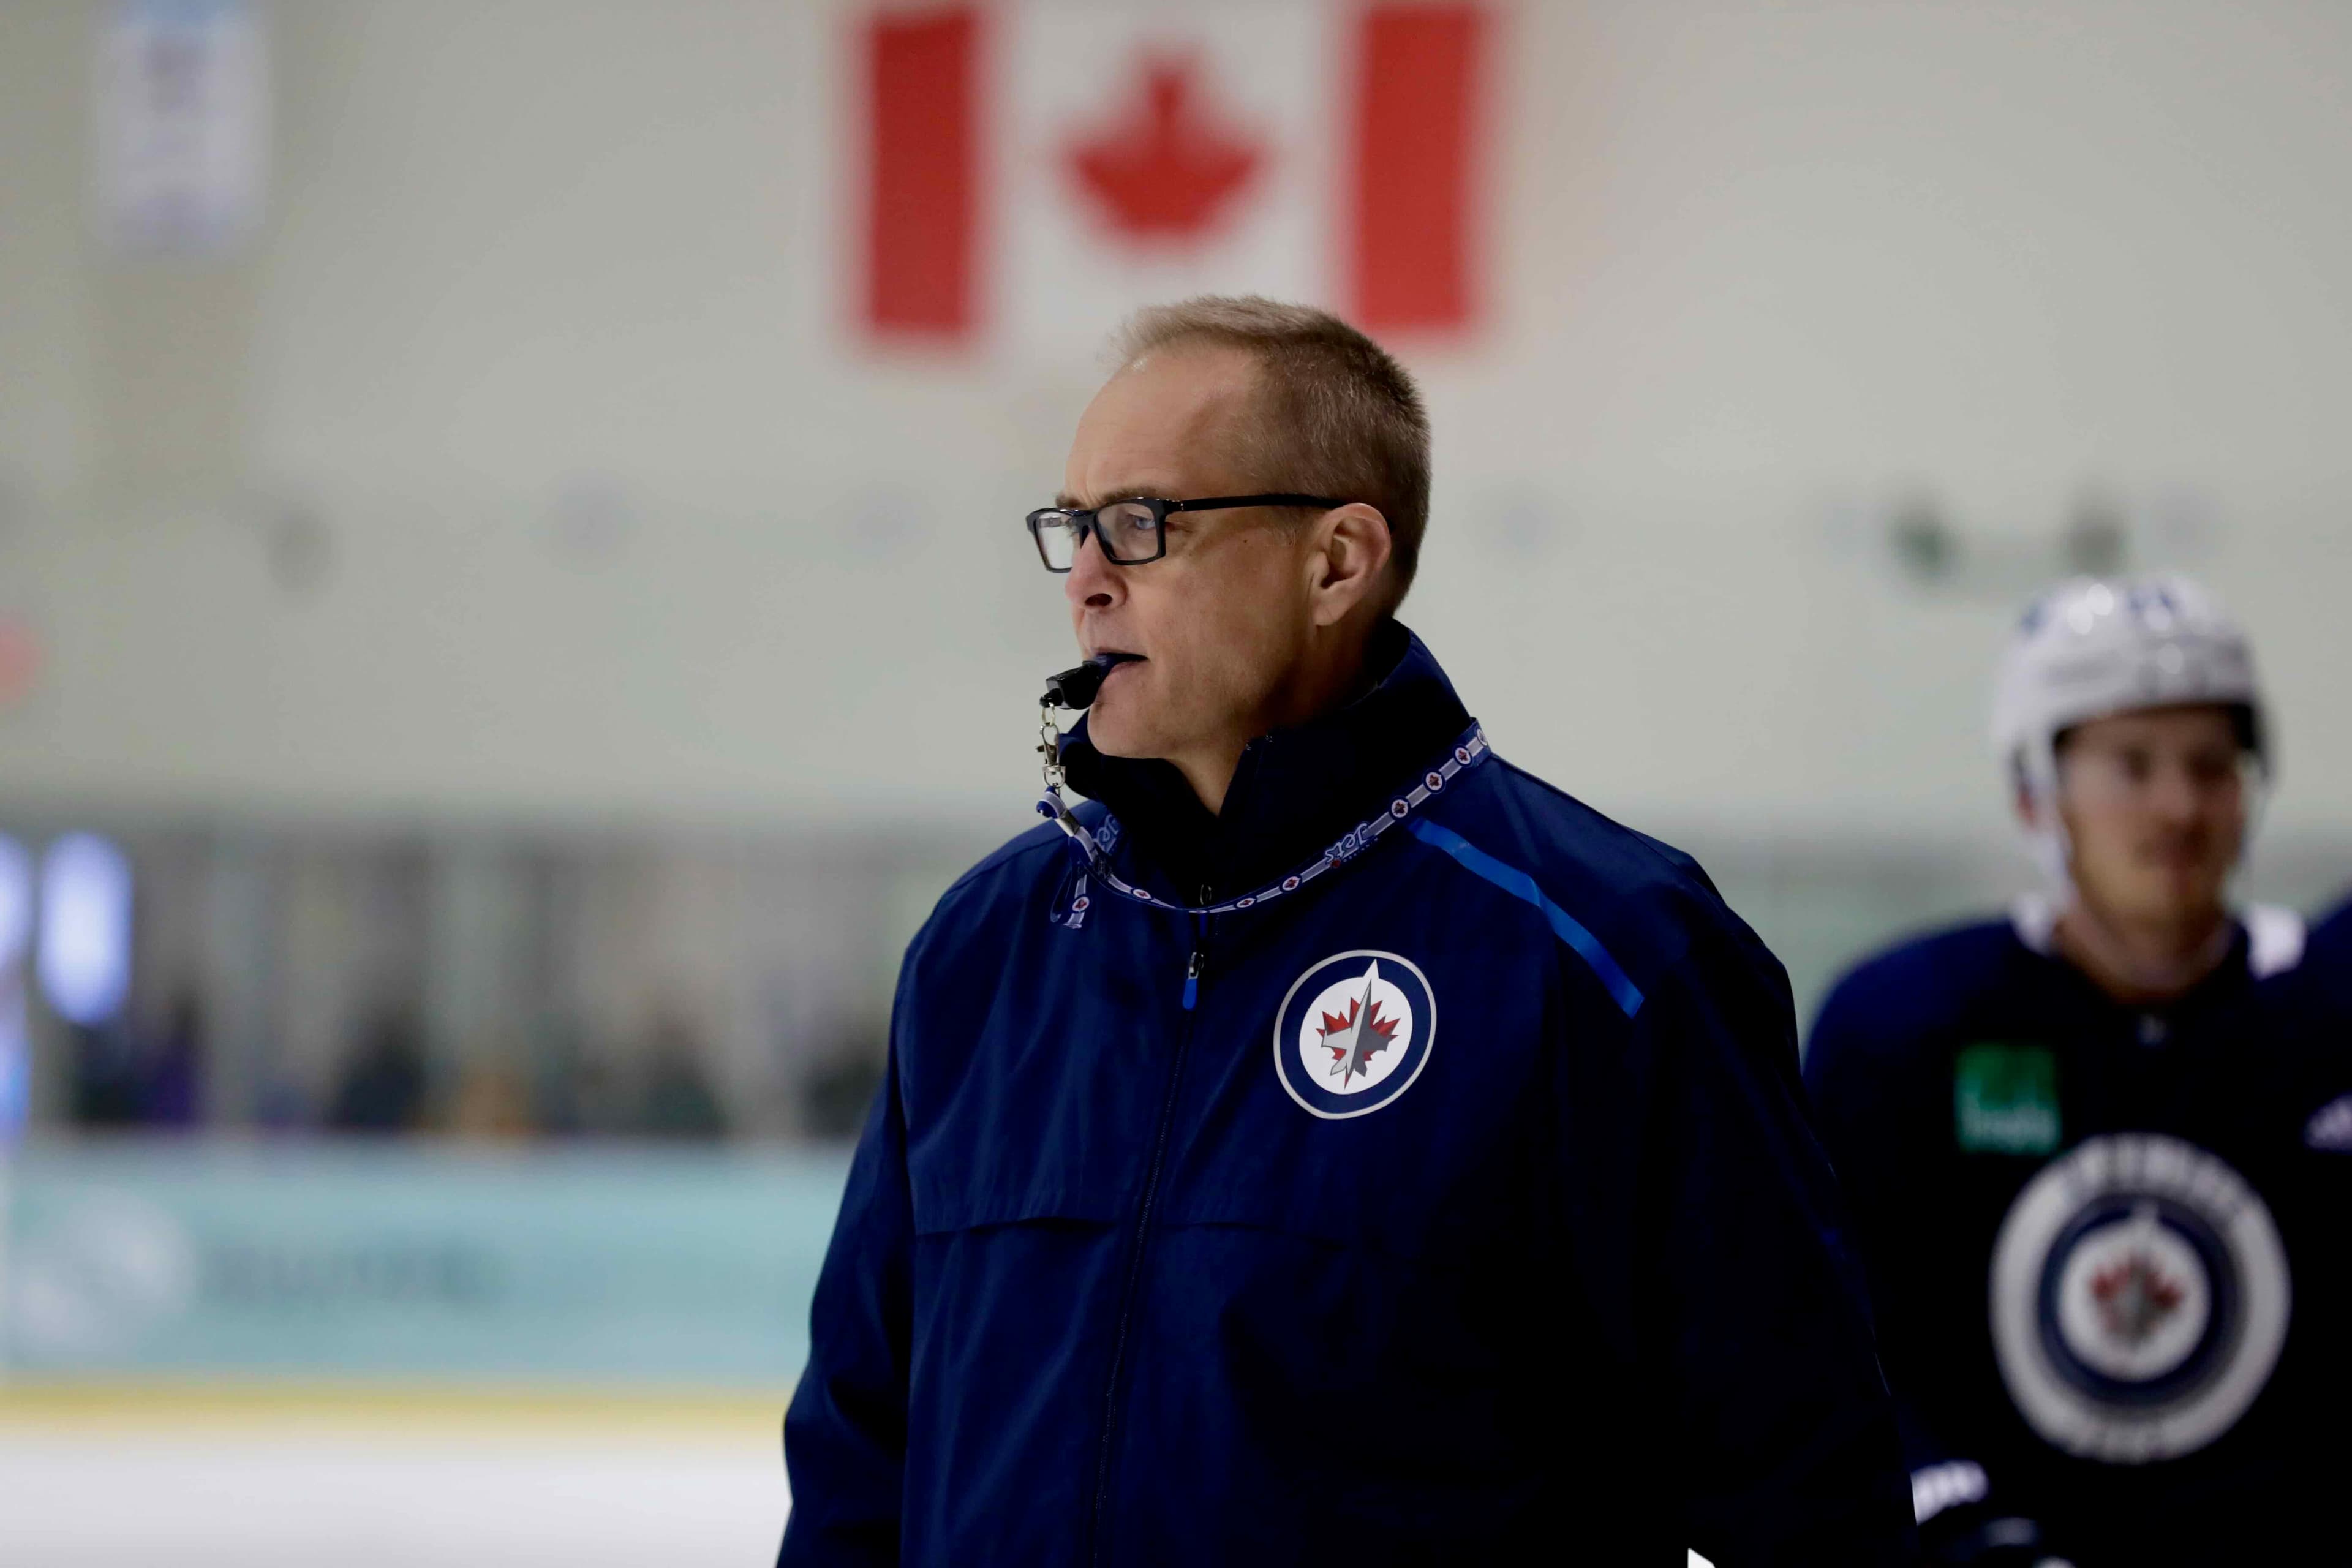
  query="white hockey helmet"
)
[{"x": 2091, "y": 646}]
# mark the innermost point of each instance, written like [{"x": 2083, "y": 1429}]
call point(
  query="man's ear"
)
[
  {"x": 2030, "y": 808},
  {"x": 1351, "y": 566}
]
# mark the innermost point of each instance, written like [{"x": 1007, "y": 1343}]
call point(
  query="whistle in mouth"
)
[{"x": 1075, "y": 686}]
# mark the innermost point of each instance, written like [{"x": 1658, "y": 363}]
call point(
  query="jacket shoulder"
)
[
  {"x": 1023, "y": 868},
  {"x": 1019, "y": 859},
  {"x": 1648, "y": 904}
]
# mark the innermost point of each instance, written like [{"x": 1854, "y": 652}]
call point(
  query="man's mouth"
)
[{"x": 1112, "y": 659}]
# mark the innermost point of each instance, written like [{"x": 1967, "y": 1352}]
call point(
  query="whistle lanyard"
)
[{"x": 1466, "y": 753}]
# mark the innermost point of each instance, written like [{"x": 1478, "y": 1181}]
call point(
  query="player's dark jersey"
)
[
  {"x": 2320, "y": 992},
  {"x": 2106, "y": 1248},
  {"x": 2334, "y": 934},
  {"x": 2327, "y": 970}
]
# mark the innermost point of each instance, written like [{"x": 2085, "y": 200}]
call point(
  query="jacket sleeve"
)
[
  {"x": 1881, "y": 1125},
  {"x": 1747, "y": 1313},
  {"x": 845, "y": 1434}
]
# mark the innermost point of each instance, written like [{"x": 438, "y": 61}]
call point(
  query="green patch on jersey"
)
[{"x": 2005, "y": 1099}]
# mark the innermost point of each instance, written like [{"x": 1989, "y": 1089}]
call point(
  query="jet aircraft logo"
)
[
  {"x": 1353, "y": 1033},
  {"x": 1354, "y": 1039}
]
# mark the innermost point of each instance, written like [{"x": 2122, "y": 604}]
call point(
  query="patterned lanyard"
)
[{"x": 1467, "y": 753}]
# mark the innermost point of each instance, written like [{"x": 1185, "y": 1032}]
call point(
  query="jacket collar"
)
[{"x": 1295, "y": 791}]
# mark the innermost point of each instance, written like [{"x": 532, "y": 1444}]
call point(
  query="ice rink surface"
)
[
  {"x": 140, "y": 1481},
  {"x": 238, "y": 1482}
]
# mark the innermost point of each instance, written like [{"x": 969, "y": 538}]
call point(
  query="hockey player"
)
[
  {"x": 2331, "y": 955},
  {"x": 2103, "y": 1255}
]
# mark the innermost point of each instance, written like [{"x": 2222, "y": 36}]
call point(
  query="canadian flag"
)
[{"x": 1035, "y": 169}]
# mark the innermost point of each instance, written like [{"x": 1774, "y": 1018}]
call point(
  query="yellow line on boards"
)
[{"x": 451, "y": 1409}]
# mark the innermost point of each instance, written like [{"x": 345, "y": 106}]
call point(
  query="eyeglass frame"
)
[{"x": 1160, "y": 510}]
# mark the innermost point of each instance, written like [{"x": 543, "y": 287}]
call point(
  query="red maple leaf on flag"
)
[
  {"x": 20, "y": 659},
  {"x": 1167, "y": 171}
]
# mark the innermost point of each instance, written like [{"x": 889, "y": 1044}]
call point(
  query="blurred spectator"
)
[
  {"x": 284, "y": 1106},
  {"x": 107, "y": 1090},
  {"x": 491, "y": 1103},
  {"x": 573, "y": 1086},
  {"x": 560, "y": 1073},
  {"x": 679, "y": 1101},
  {"x": 175, "y": 1073},
  {"x": 121, "y": 1080},
  {"x": 383, "y": 1086}
]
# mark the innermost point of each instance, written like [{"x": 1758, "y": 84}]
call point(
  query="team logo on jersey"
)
[
  {"x": 1353, "y": 1032},
  {"x": 2140, "y": 1299}
]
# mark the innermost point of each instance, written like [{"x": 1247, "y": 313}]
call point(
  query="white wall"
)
[{"x": 610, "y": 517}]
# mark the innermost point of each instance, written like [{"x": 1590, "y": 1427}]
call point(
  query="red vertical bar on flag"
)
[
  {"x": 922, "y": 119},
  {"x": 1416, "y": 119}
]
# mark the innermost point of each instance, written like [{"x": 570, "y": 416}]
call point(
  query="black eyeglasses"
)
[{"x": 1132, "y": 531}]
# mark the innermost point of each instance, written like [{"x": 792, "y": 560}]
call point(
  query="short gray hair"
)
[{"x": 1345, "y": 419}]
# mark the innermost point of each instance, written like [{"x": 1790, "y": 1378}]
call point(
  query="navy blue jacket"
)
[
  {"x": 1455, "y": 1204},
  {"x": 2106, "y": 1243}
]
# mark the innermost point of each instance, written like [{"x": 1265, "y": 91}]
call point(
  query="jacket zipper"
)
[{"x": 1194, "y": 967}]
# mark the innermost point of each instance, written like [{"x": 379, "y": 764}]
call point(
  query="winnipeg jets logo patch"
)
[
  {"x": 1353, "y": 1033},
  {"x": 2140, "y": 1299}
]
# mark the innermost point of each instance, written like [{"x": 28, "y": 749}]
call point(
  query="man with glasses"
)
[
  {"x": 1326, "y": 1144},
  {"x": 2106, "y": 1256}
]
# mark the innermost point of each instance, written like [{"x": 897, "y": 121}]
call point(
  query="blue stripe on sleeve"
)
[{"x": 1519, "y": 885}]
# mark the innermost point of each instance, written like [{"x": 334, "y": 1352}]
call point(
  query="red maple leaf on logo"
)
[
  {"x": 2134, "y": 1297},
  {"x": 1167, "y": 171}
]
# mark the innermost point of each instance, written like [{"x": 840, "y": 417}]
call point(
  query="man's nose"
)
[
  {"x": 2179, "y": 795},
  {"x": 1093, "y": 582}
]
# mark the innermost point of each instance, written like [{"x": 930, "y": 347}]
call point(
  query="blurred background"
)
[{"x": 513, "y": 603}]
